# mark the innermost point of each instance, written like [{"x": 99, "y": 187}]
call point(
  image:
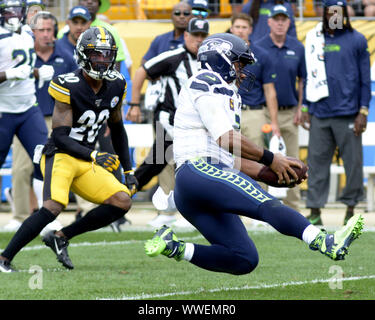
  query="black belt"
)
[
  {"x": 258, "y": 107},
  {"x": 290, "y": 106}
]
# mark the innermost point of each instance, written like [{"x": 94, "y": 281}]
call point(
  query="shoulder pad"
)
[
  {"x": 4, "y": 33},
  {"x": 59, "y": 87},
  {"x": 114, "y": 75},
  {"x": 209, "y": 77},
  {"x": 199, "y": 86},
  {"x": 224, "y": 91}
]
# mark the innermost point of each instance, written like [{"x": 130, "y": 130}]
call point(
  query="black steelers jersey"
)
[{"x": 90, "y": 110}]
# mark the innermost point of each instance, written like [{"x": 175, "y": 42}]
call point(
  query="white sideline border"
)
[
  {"x": 125, "y": 242},
  {"x": 245, "y": 287}
]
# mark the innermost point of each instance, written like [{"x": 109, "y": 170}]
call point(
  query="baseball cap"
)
[
  {"x": 199, "y": 4},
  {"x": 279, "y": 9},
  {"x": 328, "y": 3},
  {"x": 79, "y": 11},
  {"x": 198, "y": 26},
  {"x": 40, "y": 3}
]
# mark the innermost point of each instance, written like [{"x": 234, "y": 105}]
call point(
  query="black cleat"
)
[
  {"x": 59, "y": 246},
  {"x": 5, "y": 266}
]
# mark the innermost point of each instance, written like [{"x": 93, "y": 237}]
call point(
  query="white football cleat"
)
[
  {"x": 160, "y": 220},
  {"x": 163, "y": 202},
  {"x": 12, "y": 226}
]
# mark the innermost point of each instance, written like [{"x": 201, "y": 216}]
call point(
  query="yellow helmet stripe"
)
[{"x": 102, "y": 34}]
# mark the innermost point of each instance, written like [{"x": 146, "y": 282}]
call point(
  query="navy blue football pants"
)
[
  {"x": 30, "y": 128},
  {"x": 211, "y": 197}
]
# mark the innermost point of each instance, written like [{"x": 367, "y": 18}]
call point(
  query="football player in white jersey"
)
[
  {"x": 19, "y": 114},
  {"x": 217, "y": 168}
]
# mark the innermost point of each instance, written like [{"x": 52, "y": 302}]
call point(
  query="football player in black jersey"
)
[{"x": 84, "y": 100}]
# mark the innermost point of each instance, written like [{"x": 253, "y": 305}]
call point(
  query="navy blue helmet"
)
[
  {"x": 220, "y": 51},
  {"x": 12, "y": 14}
]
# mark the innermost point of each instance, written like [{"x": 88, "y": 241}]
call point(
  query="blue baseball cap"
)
[
  {"x": 79, "y": 11},
  {"x": 199, "y": 4},
  {"x": 279, "y": 9},
  {"x": 328, "y": 3}
]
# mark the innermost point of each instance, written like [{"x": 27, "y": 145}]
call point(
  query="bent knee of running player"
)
[{"x": 120, "y": 199}]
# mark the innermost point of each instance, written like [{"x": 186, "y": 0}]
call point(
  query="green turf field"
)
[{"x": 114, "y": 266}]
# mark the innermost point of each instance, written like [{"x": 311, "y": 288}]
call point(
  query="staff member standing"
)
[
  {"x": 290, "y": 67},
  {"x": 339, "y": 98},
  {"x": 79, "y": 20},
  {"x": 263, "y": 92},
  {"x": 50, "y": 61}
]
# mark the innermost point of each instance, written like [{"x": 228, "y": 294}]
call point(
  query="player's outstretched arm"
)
[
  {"x": 242, "y": 147},
  {"x": 2, "y": 76}
]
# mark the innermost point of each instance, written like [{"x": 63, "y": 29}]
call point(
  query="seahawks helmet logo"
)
[{"x": 215, "y": 44}]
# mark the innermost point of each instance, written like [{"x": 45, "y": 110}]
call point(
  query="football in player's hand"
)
[{"x": 268, "y": 176}]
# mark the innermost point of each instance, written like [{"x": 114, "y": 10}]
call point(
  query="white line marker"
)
[
  {"x": 100, "y": 243},
  {"x": 246, "y": 287}
]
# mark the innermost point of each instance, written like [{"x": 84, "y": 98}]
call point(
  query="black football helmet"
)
[
  {"x": 96, "y": 52},
  {"x": 220, "y": 51},
  {"x": 12, "y": 14}
]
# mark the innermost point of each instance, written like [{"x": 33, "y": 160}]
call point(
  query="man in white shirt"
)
[
  {"x": 217, "y": 168},
  {"x": 19, "y": 114}
]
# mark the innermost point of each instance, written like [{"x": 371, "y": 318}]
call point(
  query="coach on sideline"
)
[{"x": 289, "y": 53}]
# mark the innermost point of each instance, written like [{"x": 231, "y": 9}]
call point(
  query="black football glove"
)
[
  {"x": 131, "y": 182},
  {"x": 108, "y": 161}
]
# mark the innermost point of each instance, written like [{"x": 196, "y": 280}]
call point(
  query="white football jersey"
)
[
  {"x": 16, "y": 49},
  {"x": 207, "y": 108}
]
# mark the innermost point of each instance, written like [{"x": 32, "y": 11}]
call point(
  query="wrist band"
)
[
  {"x": 305, "y": 109},
  {"x": 129, "y": 171},
  {"x": 134, "y": 104},
  {"x": 267, "y": 158}
]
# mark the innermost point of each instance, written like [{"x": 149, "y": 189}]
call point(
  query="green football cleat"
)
[
  {"x": 165, "y": 242},
  {"x": 315, "y": 219},
  {"x": 336, "y": 245}
]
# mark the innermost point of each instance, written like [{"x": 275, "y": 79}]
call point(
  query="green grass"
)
[{"x": 117, "y": 267}]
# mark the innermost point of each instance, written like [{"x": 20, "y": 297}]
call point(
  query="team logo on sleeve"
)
[{"x": 114, "y": 101}]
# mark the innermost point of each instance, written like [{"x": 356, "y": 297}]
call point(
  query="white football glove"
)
[
  {"x": 113, "y": 75},
  {"x": 20, "y": 73},
  {"x": 46, "y": 73}
]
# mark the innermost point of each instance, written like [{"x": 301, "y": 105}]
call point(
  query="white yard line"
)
[
  {"x": 246, "y": 287},
  {"x": 253, "y": 230},
  {"x": 100, "y": 243}
]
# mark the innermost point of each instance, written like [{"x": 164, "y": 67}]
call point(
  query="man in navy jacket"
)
[{"x": 339, "y": 119}]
